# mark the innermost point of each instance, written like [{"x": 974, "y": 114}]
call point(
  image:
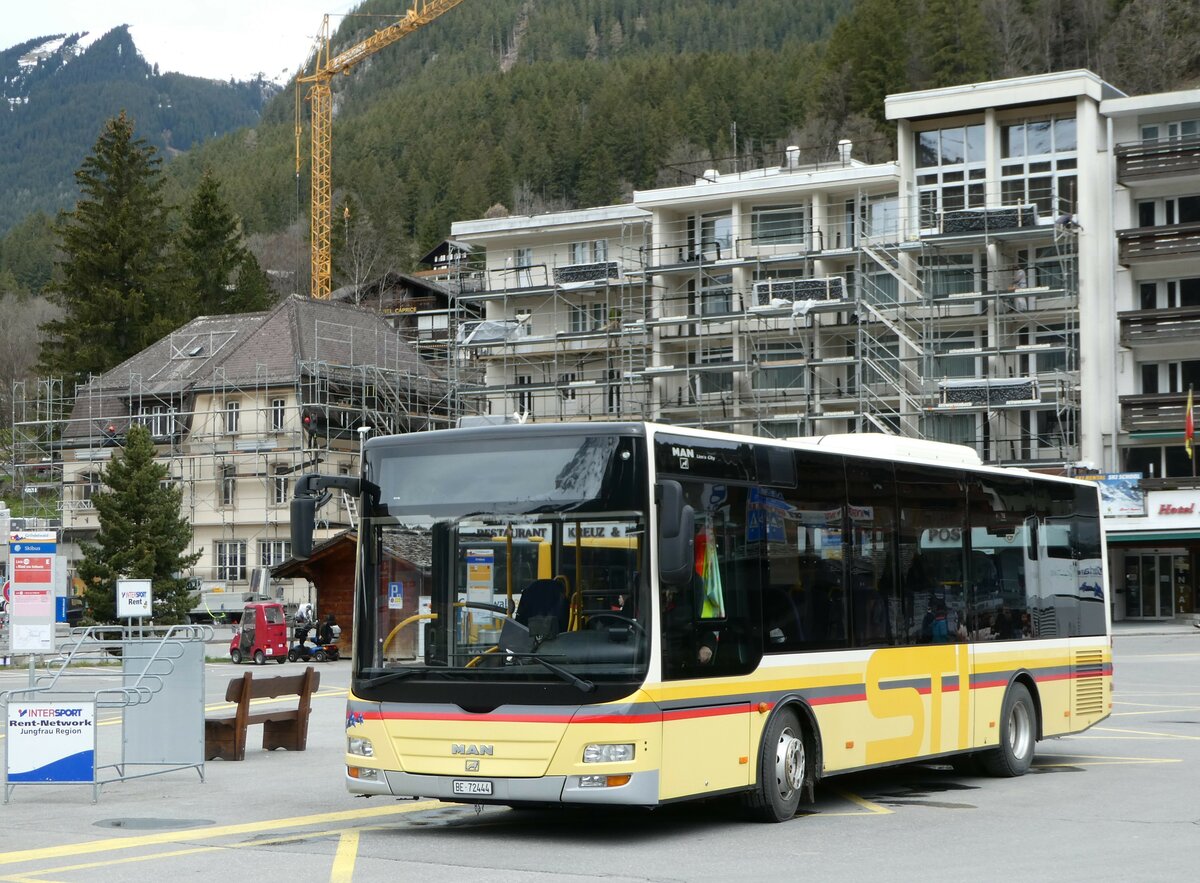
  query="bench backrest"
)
[{"x": 269, "y": 688}]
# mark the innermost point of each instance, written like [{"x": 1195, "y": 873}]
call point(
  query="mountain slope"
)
[{"x": 59, "y": 90}]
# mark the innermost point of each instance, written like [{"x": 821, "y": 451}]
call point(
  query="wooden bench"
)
[{"x": 225, "y": 735}]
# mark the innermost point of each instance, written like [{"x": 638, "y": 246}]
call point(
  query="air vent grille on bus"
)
[{"x": 1089, "y": 683}]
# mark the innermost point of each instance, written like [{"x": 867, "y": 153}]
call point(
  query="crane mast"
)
[{"x": 320, "y": 100}]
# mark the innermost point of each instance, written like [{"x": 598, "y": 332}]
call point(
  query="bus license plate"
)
[{"x": 472, "y": 786}]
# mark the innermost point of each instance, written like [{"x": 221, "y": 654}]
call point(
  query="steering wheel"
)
[{"x": 624, "y": 620}]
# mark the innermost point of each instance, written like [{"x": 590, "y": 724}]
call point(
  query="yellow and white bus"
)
[{"x": 708, "y": 614}]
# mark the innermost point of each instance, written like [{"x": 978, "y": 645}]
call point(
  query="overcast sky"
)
[{"x": 217, "y": 39}]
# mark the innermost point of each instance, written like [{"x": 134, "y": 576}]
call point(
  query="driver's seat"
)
[{"x": 543, "y": 608}]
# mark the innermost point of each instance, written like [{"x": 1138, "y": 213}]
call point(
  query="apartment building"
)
[
  {"x": 1155, "y": 310},
  {"x": 1018, "y": 280}
]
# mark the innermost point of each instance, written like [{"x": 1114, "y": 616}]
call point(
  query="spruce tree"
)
[
  {"x": 218, "y": 273},
  {"x": 110, "y": 284},
  {"x": 142, "y": 535}
]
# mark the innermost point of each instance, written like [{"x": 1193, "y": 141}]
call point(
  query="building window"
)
[
  {"x": 948, "y": 364},
  {"x": 716, "y": 295},
  {"x": 1168, "y": 211},
  {"x": 522, "y": 260},
  {"x": 233, "y": 415},
  {"x": 1038, "y": 165},
  {"x": 1170, "y": 131},
  {"x": 958, "y": 429},
  {"x": 228, "y": 485},
  {"x": 587, "y": 317},
  {"x": 231, "y": 560},
  {"x": 278, "y": 414},
  {"x": 279, "y": 485},
  {"x": 715, "y": 381},
  {"x": 780, "y": 225},
  {"x": 950, "y": 274},
  {"x": 158, "y": 419},
  {"x": 524, "y": 322},
  {"x": 599, "y": 251},
  {"x": 781, "y": 365},
  {"x": 716, "y": 236},
  {"x": 89, "y": 487},
  {"x": 524, "y": 398},
  {"x": 273, "y": 552},
  {"x": 951, "y": 166}
]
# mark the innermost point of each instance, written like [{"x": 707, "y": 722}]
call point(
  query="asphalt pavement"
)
[{"x": 271, "y": 800}]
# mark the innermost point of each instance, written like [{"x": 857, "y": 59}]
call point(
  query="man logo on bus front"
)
[{"x": 472, "y": 766}]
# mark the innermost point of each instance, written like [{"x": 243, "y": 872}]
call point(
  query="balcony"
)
[
  {"x": 1155, "y": 160},
  {"x": 1144, "y": 327},
  {"x": 963, "y": 222},
  {"x": 1153, "y": 412},
  {"x": 977, "y": 392},
  {"x": 1157, "y": 243}
]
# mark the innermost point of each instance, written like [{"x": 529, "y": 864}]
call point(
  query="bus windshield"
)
[{"x": 483, "y": 563}]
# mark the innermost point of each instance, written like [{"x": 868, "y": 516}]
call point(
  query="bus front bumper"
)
[{"x": 640, "y": 790}]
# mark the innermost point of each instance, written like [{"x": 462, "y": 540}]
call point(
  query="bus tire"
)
[
  {"x": 782, "y": 770},
  {"x": 1018, "y": 735}
]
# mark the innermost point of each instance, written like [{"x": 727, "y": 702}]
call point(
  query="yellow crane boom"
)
[{"x": 320, "y": 101}]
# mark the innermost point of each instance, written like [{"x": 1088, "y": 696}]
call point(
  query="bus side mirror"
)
[
  {"x": 676, "y": 535},
  {"x": 304, "y": 520}
]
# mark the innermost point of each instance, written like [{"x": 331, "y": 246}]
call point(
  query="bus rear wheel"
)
[
  {"x": 782, "y": 770},
  {"x": 1018, "y": 734}
]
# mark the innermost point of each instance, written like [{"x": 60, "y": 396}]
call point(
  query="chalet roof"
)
[
  {"x": 443, "y": 249},
  {"x": 271, "y": 348},
  {"x": 390, "y": 281}
]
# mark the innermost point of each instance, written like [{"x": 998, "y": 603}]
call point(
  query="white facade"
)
[{"x": 1024, "y": 279}]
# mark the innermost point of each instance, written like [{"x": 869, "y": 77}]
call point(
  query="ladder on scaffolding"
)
[{"x": 351, "y": 505}]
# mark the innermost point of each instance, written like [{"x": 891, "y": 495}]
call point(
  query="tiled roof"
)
[{"x": 248, "y": 349}]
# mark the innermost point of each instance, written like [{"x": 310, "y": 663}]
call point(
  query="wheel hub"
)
[{"x": 789, "y": 763}]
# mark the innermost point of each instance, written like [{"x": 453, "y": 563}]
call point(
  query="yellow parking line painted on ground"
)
[
  {"x": 343, "y": 860},
  {"x": 39, "y": 876},
  {"x": 116, "y": 843},
  {"x": 1175, "y": 709},
  {"x": 1147, "y": 733},
  {"x": 872, "y": 809},
  {"x": 1105, "y": 760}
]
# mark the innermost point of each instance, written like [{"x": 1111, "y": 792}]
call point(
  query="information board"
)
[{"x": 51, "y": 742}]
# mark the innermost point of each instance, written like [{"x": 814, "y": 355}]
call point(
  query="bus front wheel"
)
[
  {"x": 782, "y": 768},
  {"x": 1018, "y": 734}
]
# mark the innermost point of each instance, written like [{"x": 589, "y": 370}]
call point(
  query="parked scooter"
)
[{"x": 321, "y": 647}]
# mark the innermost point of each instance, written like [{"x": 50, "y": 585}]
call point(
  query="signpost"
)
[
  {"x": 32, "y": 564},
  {"x": 134, "y": 600},
  {"x": 51, "y": 742}
]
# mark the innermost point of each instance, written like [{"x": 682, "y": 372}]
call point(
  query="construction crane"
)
[{"x": 320, "y": 99}]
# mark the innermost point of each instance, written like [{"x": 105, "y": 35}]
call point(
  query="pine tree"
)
[
  {"x": 212, "y": 256},
  {"x": 142, "y": 535},
  {"x": 111, "y": 286}
]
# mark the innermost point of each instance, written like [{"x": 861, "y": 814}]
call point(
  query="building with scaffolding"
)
[
  {"x": 980, "y": 289},
  {"x": 238, "y": 407},
  {"x": 934, "y": 296}
]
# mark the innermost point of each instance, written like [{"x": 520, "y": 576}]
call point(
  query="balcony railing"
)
[
  {"x": 1158, "y": 159},
  {"x": 1141, "y": 327},
  {"x": 1153, "y": 412},
  {"x": 1148, "y": 243}
]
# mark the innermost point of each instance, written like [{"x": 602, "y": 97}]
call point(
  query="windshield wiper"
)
[
  {"x": 390, "y": 676},
  {"x": 572, "y": 679}
]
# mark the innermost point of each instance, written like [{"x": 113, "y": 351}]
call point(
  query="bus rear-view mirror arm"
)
[
  {"x": 676, "y": 534},
  {"x": 312, "y": 492}
]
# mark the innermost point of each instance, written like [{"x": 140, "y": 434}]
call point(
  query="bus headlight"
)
[
  {"x": 360, "y": 746},
  {"x": 608, "y": 753}
]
